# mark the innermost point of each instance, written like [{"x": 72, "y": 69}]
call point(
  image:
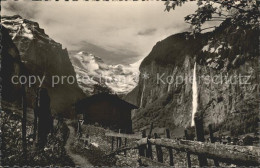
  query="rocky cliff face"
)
[
  {"x": 42, "y": 56},
  {"x": 164, "y": 95},
  {"x": 10, "y": 66}
]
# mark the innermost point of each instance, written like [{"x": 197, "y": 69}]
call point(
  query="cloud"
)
[
  {"x": 147, "y": 32},
  {"x": 129, "y": 29},
  {"x": 23, "y": 8}
]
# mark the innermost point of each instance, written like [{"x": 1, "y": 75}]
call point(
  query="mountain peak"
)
[
  {"x": 20, "y": 27},
  {"x": 41, "y": 56},
  {"x": 83, "y": 53},
  {"x": 12, "y": 17},
  {"x": 87, "y": 57},
  {"x": 119, "y": 78}
]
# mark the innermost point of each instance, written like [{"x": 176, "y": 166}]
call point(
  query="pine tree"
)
[
  {"x": 45, "y": 123},
  {"x": 36, "y": 108}
]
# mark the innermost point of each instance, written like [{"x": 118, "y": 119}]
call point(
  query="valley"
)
[{"x": 193, "y": 100}]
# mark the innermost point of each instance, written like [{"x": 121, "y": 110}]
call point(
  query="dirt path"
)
[{"x": 77, "y": 159}]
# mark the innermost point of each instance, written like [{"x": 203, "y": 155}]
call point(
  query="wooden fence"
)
[{"x": 231, "y": 154}]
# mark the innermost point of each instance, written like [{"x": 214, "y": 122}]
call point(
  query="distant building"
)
[{"x": 107, "y": 110}]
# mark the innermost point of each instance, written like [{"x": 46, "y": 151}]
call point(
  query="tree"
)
[
  {"x": 45, "y": 123},
  {"x": 36, "y": 108},
  {"x": 240, "y": 12}
]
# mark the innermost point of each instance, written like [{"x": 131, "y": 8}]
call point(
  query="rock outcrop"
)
[
  {"x": 42, "y": 56},
  {"x": 10, "y": 65},
  {"x": 165, "y": 94}
]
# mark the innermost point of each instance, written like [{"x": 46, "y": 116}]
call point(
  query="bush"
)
[{"x": 53, "y": 154}]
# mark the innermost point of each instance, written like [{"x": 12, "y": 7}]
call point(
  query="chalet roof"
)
[{"x": 101, "y": 97}]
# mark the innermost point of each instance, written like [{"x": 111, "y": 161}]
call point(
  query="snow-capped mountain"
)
[
  {"x": 91, "y": 70},
  {"x": 42, "y": 57}
]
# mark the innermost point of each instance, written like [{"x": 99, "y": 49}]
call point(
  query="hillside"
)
[
  {"x": 226, "y": 53},
  {"x": 41, "y": 56}
]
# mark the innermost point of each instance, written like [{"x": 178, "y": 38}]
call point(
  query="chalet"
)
[{"x": 107, "y": 110}]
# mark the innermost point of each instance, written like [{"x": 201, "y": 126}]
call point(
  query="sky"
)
[{"x": 118, "y": 32}]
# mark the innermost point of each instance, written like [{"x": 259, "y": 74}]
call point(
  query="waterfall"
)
[
  {"x": 194, "y": 95},
  {"x": 142, "y": 95},
  {"x": 170, "y": 84}
]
